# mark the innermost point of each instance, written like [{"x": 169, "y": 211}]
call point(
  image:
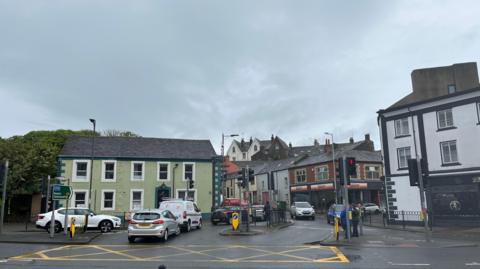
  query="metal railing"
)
[{"x": 400, "y": 218}]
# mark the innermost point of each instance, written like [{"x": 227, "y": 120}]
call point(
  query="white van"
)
[{"x": 187, "y": 213}]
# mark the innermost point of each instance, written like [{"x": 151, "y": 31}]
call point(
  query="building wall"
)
[
  {"x": 203, "y": 183},
  {"x": 237, "y": 155}
]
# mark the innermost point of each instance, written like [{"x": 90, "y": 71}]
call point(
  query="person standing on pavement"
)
[
  {"x": 355, "y": 220},
  {"x": 343, "y": 221},
  {"x": 267, "y": 209}
]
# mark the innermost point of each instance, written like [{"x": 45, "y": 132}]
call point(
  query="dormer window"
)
[
  {"x": 255, "y": 148},
  {"x": 233, "y": 149}
]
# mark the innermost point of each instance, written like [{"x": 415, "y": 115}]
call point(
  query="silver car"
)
[{"x": 152, "y": 223}]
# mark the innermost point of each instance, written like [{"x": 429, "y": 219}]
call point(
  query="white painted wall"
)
[{"x": 408, "y": 198}]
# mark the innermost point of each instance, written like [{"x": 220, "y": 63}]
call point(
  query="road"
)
[{"x": 285, "y": 248}]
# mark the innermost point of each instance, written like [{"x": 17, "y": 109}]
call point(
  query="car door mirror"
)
[{"x": 92, "y": 214}]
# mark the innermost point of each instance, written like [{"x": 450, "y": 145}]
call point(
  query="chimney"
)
[
  {"x": 367, "y": 137},
  {"x": 290, "y": 145},
  {"x": 271, "y": 138},
  {"x": 327, "y": 147},
  {"x": 351, "y": 140},
  {"x": 315, "y": 143},
  {"x": 242, "y": 143},
  {"x": 251, "y": 140}
]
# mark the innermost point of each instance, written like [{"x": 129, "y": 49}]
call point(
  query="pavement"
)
[{"x": 295, "y": 246}]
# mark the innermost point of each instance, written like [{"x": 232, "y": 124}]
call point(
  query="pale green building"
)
[{"x": 132, "y": 173}]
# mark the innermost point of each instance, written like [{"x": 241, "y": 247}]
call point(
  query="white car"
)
[
  {"x": 187, "y": 213},
  {"x": 105, "y": 223},
  {"x": 303, "y": 210},
  {"x": 370, "y": 208}
]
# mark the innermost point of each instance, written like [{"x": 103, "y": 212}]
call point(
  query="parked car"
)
[
  {"x": 223, "y": 214},
  {"x": 187, "y": 213},
  {"x": 302, "y": 209},
  {"x": 334, "y": 211},
  {"x": 105, "y": 223},
  {"x": 258, "y": 211},
  {"x": 370, "y": 208},
  {"x": 152, "y": 223}
]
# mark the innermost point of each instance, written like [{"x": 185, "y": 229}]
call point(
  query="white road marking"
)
[
  {"x": 409, "y": 264},
  {"x": 473, "y": 264},
  {"x": 4, "y": 260}
]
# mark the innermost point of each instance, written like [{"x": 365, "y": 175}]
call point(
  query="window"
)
[
  {"x": 321, "y": 173},
  {"x": 300, "y": 176},
  {"x": 233, "y": 149},
  {"x": 108, "y": 171},
  {"x": 228, "y": 192},
  {"x": 277, "y": 147},
  {"x": 108, "y": 200},
  {"x": 286, "y": 183},
  {"x": 136, "y": 199},
  {"x": 80, "y": 198},
  {"x": 403, "y": 156},
  {"x": 445, "y": 118},
  {"x": 188, "y": 171},
  {"x": 138, "y": 170},
  {"x": 191, "y": 195},
  {"x": 449, "y": 152},
  {"x": 452, "y": 89},
  {"x": 234, "y": 159},
  {"x": 244, "y": 155},
  {"x": 255, "y": 148},
  {"x": 80, "y": 170},
  {"x": 372, "y": 172},
  {"x": 401, "y": 127},
  {"x": 163, "y": 171}
]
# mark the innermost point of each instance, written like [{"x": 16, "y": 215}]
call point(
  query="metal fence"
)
[{"x": 399, "y": 218}]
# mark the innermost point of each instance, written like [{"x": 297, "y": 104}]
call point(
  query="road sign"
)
[
  {"x": 235, "y": 221},
  {"x": 61, "y": 192}
]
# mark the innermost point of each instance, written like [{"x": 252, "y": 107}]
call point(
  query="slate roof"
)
[
  {"x": 138, "y": 147},
  {"x": 359, "y": 155},
  {"x": 246, "y": 145}
]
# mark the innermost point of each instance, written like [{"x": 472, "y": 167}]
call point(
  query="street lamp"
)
[
  {"x": 334, "y": 170},
  {"x": 94, "y": 122}
]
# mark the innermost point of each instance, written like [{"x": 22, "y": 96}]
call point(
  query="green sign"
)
[{"x": 61, "y": 192}]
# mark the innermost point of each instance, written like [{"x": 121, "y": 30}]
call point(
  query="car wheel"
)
[
  {"x": 199, "y": 226},
  {"x": 177, "y": 232},
  {"x": 165, "y": 236},
  {"x": 105, "y": 226},
  {"x": 377, "y": 211},
  {"x": 313, "y": 217},
  {"x": 131, "y": 239},
  {"x": 57, "y": 227},
  {"x": 189, "y": 226}
]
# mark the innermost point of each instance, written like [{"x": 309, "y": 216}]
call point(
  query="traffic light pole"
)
[
  {"x": 4, "y": 195},
  {"x": 422, "y": 200},
  {"x": 345, "y": 198},
  {"x": 246, "y": 175}
]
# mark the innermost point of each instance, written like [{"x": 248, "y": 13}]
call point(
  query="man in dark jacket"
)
[
  {"x": 267, "y": 209},
  {"x": 355, "y": 220}
]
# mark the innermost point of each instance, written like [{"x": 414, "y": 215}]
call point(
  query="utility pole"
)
[
  {"x": 4, "y": 196},
  {"x": 334, "y": 169},
  {"x": 52, "y": 219},
  {"x": 94, "y": 122}
]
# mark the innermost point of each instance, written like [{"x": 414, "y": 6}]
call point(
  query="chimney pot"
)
[
  {"x": 351, "y": 140},
  {"x": 367, "y": 137}
]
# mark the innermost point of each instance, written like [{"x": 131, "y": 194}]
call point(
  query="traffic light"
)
[
  {"x": 190, "y": 183},
  {"x": 351, "y": 167},
  {"x": 340, "y": 174},
  {"x": 241, "y": 178},
  {"x": 251, "y": 176},
  {"x": 413, "y": 172}
]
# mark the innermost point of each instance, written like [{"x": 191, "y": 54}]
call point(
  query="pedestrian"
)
[
  {"x": 355, "y": 220},
  {"x": 343, "y": 221},
  {"x": 267, "y": 209}
]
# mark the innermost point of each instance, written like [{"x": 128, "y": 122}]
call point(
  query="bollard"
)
[
  {"x": 336, "y": 229},
  {"x": 72, "y": 228}
]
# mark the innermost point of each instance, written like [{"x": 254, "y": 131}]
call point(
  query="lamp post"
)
[
  {"x": 94, "y": 122},
  {"x": 334, "y": 170},
  {"x": 223, "y": 151}
]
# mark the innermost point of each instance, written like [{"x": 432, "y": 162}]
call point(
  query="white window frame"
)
[
  {"x": 367, "y": 166},
  {"x": 317, "y": 168},
  {"x": 72, "y": 200},
  {"x": 142, "y": 199},
  {"x": 74, "y": 171},
  {"x": 406, "y": 159},
  {"x": 400, "y": 128},
  {"x": 132, "y": 178},
  {"x": 158, "y": 171},
  {"x": 104, "y": 162},
  {"x": 445, "y": 112},
  {"x": 103, "y": 201},
  {"x": 244, "y": 155},
  {"x": 449, "y": 150},
  {"x": 193, "y": 171},
  {"x": 194, "y": 193},
  {"x": 304, "y": 173}
]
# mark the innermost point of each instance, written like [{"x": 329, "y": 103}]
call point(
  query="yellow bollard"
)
[
  {"x": 72, "y": 228},
  {"x": 421, "y": 216},
  {"x": 336, "y": 229}
]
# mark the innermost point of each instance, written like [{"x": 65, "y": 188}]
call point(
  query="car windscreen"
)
[
  {"x": 172, "y": 206},
  {"x": 146, "y": 216},
  {"x": 303, "y": 205}
]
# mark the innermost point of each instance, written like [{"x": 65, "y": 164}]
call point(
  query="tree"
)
[{"x": 113, "y": 132}]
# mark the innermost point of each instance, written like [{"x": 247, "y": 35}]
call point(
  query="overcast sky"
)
[{"x": 195, "y": 69}]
